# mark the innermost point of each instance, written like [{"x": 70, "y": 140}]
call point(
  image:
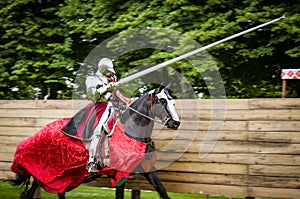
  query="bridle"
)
[
  {"x": 146, "y": 116},
  {"x": 147, "y": 140},
  {"x": 166, "y": 119}
]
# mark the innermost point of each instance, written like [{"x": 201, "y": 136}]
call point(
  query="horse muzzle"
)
[{"x": 172, "y": 124}]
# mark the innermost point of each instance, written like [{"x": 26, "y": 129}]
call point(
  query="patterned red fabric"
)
[
  {"x": 125, "y": 154},
  {"x": 56, "y": 160}
]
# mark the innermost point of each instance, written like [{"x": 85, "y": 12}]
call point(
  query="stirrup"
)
[{"x": 90, "y": 166}]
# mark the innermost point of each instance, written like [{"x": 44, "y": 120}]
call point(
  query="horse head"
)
[
  {"x": 164, "y": 106},
  {"x": 139, "y": 117}
]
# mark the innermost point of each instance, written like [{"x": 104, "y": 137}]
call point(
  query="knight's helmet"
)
[{"x": 105, "y": 67}]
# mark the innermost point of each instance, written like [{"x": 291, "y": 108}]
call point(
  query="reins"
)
[{"x": 146, "y": 116}]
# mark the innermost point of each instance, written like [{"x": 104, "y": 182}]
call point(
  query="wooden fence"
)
[{"x": 233, "y": 147}]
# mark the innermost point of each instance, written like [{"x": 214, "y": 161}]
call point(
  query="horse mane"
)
[
  {"x": 138, "y": 101},
  {"x": 141, "y": 105}
]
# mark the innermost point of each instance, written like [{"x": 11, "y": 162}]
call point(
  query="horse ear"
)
[
  {"x": 163, "y": 85},
  {"x": 168, "y": 86}
]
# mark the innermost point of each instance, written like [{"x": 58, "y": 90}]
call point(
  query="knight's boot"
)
[
  {"x": 91, "y": 163},
  {"x": 90, "y": 166}
]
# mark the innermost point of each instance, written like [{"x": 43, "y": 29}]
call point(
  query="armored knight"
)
[{"x": 96, "y": 120}]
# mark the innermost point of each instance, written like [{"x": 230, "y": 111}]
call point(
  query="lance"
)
[{"x": 164, "y": 64}]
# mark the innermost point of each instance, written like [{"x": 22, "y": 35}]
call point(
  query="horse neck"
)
[{"x": 136, "y": 124}]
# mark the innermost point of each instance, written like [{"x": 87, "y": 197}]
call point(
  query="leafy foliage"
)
[{"x": 43, "y": 42}]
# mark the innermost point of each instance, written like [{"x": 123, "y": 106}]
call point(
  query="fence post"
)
[{"x": 283, "y": 88}]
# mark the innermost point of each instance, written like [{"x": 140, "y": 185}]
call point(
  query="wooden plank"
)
[
  {"x": 220, "y": 179},
  {"x": 39, "y": 113},
  {"x": 6, "y": 174},
  {"x": 279, "y": 136},
  {"x": 213, "y": 125},
  {"x": 226, "y": 190},
  {"x": 11, "y": 139},
  {"x": 8, "y": 148},
  {"x": 5, "y": 166},
  {"x": 51, "y": 104},
  {"x": 45, "y": 104},
  {"x": 270, "y": 170},
  {"x": 199, "y": 115},
  {"x": 220, "y": 104},
  {"x": 203, "y": 178},
  {"x": 210, "y": 189},
  {"x": 280, "y": 193},
  {"x": 18, "y": 131},
  {"x": 275, "y": 103},
  {"x": 185, "y": 125},
  {"x": 194, "y": 188},
  {"x": 226, "y": 147},
  {"x": 25, "y": 122},
  {"x": 207, "y": 189},
  {"x": 75, "y": 104},
  {"x": 206, "y": 168},
  {"x": 284, "y": 126},
  {"x": 203, "y": 104},
  {"x": 237, "y": 115},
  {"x": 265, "y": 159},
  {"x": 6, "y": 157},
  {"x": 276, "y": 181},
  {"x": 180, "y": 134},
  {"x": 284, "y": 137}
]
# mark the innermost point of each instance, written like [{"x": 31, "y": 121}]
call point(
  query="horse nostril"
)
[
  {"x": 173, "y": 124},
  {"x": 176, "y": 124}
]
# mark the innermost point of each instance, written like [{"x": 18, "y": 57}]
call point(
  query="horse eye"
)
[{"x": 163, "y": 101}]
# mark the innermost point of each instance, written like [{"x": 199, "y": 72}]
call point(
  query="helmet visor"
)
[{"x": 108, "y": 72}]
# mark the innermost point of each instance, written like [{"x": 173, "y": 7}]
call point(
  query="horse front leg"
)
[
  {"x": 120, "y": 191},
  {"x": 155, "y": 181}
]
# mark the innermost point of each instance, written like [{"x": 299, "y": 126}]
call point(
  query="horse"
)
[{"x": 135, "y": 124}]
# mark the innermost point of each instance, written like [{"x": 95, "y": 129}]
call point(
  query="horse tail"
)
[
  {"x": 24, "y": 180},
  {"x": 20, "y": 180}
]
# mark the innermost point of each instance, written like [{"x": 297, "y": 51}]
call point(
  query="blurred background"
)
[{"x": 44, "y": 42}]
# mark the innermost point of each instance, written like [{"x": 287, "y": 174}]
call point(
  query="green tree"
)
[
  {"x": 36, "y": 50},
  {"x": 250, "y": 65},
  {"x": 43, "y": 42}
]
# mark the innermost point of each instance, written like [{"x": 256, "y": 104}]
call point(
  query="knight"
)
[{"x": 96, "y": 120}]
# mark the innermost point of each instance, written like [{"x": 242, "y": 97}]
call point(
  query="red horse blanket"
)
[{"x": 58, "y": 161}]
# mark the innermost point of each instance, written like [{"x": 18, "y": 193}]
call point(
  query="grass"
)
[{"x": 9, "y": 192}]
